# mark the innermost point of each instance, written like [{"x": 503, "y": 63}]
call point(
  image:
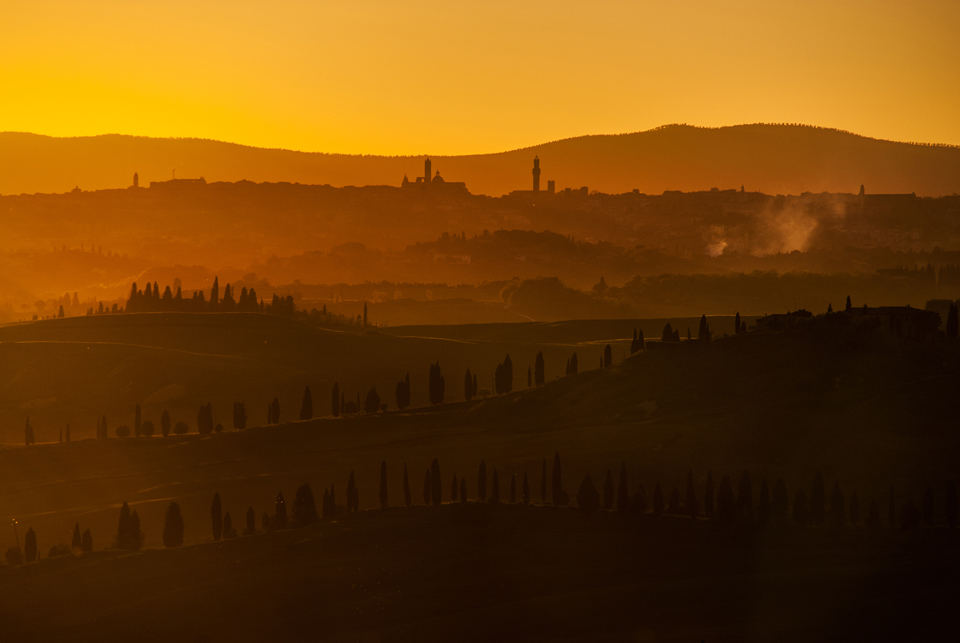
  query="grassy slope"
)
[
  {"x": 774, "y": 405},
  {"x": 74, "y": 370},
  {"x": 477, "y": 572}
]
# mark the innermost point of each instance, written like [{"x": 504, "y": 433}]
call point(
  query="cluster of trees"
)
[
  {"x": 572, "y": 365},
  {"x": 205, "y": 420},
  {"x": 503, "y": 377},
  {"x": 704, "y": 334},
  {"x": 239, "y": 416},
  {"x": 669, "y": 334},
  {"x": 150, "y": 300},
  {"x": 437, "y": 384},
  {"x": 403, "y": 393},
  {"x": 724, "y": 505},
  {"x": 470, "y": 389},
  {"x": 637, "y": 344},
  {"x": 372, "y": 403},
  {"x": 306, "y": 406},
  {"x": 539, "y": 377},
  {"x": 273, "y": 411},
  {"x": 129, "y": 536}
]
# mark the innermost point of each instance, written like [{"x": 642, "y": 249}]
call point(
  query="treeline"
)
[
  {"x": 726, "y": 504},
  {"x": 340, "y": 405},
  {"x": 172, "y": 299}
]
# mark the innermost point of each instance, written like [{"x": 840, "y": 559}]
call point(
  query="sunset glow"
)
[{"x": 469, "y": 77}]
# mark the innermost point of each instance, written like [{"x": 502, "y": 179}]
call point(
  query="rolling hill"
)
[
  {"x": 775, "y": 159},
  {"x": 869, "y": 413}
]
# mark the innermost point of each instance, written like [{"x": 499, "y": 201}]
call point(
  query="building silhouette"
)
[
  {"x": 536, "y": 173},
  {"x": 434, "y": 183}
]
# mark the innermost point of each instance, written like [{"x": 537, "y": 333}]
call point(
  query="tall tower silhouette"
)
[
  {"x": 426, "y": 173},
  {"x": 536, "y": 173},
  {"x": 136, "y": 180}
]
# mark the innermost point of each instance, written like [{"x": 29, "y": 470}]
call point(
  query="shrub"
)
[{"x": 123, "y": 431}]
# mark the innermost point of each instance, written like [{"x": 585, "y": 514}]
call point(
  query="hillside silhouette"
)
[{"x": 776, "y": 159}]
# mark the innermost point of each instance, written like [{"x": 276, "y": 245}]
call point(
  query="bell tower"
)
[{"x": 536, "y": 173}]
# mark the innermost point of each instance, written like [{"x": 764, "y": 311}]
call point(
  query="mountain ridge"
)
[{"x": 771, "y": 158}]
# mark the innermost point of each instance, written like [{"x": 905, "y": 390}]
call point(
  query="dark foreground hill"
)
[
  {"x": 776, "y": 159},
  {"x": 477, "y": 572},
  {"x": 870, "y": 413}
]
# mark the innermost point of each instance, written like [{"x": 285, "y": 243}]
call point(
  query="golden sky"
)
[{"x": 397, "y": 77}]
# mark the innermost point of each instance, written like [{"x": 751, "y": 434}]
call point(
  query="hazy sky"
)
[{"x": 397, "y": 77}]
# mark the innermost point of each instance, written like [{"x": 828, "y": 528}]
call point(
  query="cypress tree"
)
[
  {"x": 251, "y": 522},
  {"x": 673, "y": 507},
  {"x": 383, "y": 484},
  {"x": 436, "y": 490},
  {"x": 909, "y": 517},
  {"x": 304, "y": 508},
  {"x": 463, "y": 489},
  {"x": 353, "y": 494},
  {"x": 693, "y": 506},
  {"x": 608, "y": 491},
  {"x": 657, "y": 501},
  {"x": 306, "y": 407},
  {"x": 763, "y": 509},
  {"x": 854, "y": 510},
  {"x": 607, "y": 356},
  {"x": 726, "y": 510},
  {"x": 736, "y": 324},
  {"x": 745, "y": 498},
  {"x": 708, "y": 496},
  {"x": 216, "y": 517},
  {"x": 30, "y": 546},
  {"x": 426, "y": 488},
  {"x": 173, "y": 526},
  {"x": 453, "y": 489},
  {"x": 838, "y": 512},
  {"x": 543, "y": 483},
  {"x": 77, "y": 541},
  {"x": 335, "y": 400},
  {"x": 557, "y": 487},
  {"x": 891, "y": 508},
  {"x": 86, "y": 543},
  {"x": 928, "y": 507},
  {"x": 482, "y": 482},
  {"x": 818, "y": 500},
  {"x": 123, "y": 527},
  {"x": 228, "y": 531},
  {"x": 638, "y": 502},
  {"x": 136, "y": 538},
  {"x": 778, "y": 505},
  {"x": 468, "y": 386},
  {"x": 525, "y": 490},
  {"x": 952, "y": 505},
  {"x": 495, "y": 489},
  {"x": 588, "y": 499},
  {"x": 873, "y": 515},
  {"x": 513, "y": 488},
  {"x": 800, "y": 512},
  {"x": 406, "y": 486},
  {"x": 281, "y": 512},
  {"x": 623, "y": 494}
]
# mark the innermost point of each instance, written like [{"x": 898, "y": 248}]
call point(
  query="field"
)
[{"x": 479, "y": 572}]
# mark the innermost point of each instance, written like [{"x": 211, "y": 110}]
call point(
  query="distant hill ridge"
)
[{"x": 770, "y": 158}]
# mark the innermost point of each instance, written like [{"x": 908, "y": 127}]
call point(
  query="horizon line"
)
[{"x": 507, "y": 151}]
